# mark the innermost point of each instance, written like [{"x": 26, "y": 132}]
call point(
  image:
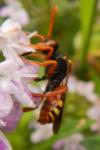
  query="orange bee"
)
[{"x": 57, "y": 72}]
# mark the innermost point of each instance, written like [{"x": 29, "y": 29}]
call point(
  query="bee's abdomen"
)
[{"x": 49, "y": 111}]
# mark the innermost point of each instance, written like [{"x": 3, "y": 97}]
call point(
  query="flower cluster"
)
[
  {"x": 10, "y": 9},
  {"x": 71, "y": 143},
  {"x": 16, "y": 76}
]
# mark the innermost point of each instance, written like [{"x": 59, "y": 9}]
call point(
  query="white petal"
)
[
  {"x": 23, "y": 94},
  {"x": 3, "y": 41},
  {"x": 13, "y": 32},
  {"x": 24, "y": 99},
  {"x": 21, "y": 17},
  {"x": 6, "y": 104},
  {"x": 20, "y": 49},
  {"x": 41, "y": 130},
  {"x": 7, "y": 67},
  {"x": 29, "y": 71},
  {"x": 9, "y": 26},
  {"x": 28, "y": 75},
  {"x": 2, "y": 123},
  {"x": 9, "y": 53}
]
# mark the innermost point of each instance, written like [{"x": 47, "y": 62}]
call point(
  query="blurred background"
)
[{"x": 77, "y": 28}]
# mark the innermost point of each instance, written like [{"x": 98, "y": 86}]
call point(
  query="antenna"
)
[{"x": 53, "y": 13}]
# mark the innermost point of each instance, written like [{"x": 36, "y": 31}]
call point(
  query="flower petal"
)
[
  {"x": 13, "y": 118},
  {"x": 10, "y": 53},
  {"x": 4, "y": 144},
  {"x": 23, "y": 94},
  {"x": 9, "y": 26},
  {"x": 7, "y": 67},
  {"x": 41, "y": 133},
  {"x": 6, "y": 104}
]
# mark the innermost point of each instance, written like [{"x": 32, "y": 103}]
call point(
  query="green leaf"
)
[
  {"x": 69, "y": 127},
  {"x": 88, "y": 8},
  {"x": 92, "y": 143}
]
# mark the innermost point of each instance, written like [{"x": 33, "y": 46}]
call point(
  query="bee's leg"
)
[
  {"x": 27, "y": 109},
  {"x": 51, "y": 63},
  {"x": 41, "y": 95},
  {"x": 59, "y": 90},
  {"x": 44, "y": 47},
  {"x": 40, "y": 47},
  {"x": 34, "y": 55},
  {"x": 41, "y": 79},
  {"x": 38, "y": 95}
]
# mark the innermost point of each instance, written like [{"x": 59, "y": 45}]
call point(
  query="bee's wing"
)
[{"x": 58, "y": 120}]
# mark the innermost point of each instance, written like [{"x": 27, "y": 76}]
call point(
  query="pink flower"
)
[
  {"x": 94, "y": 113},
  {"x": 13, "y": 41},
  {"x": 12, "y": 119},
  {"x": 42, "y": 132},
  {"x": 14, "y": 90},
  {"x": 16, "y": 77},
  {"x": 10, "y": 11},
  {"x": 70, "y": 143},
  {"x": 85, "y": 89},
  {"x": 13, "y": 71},
  {"x": 11, "y": 82},
  {"x": 6, "y": 104},
  {"x": 4, "y": 144}
]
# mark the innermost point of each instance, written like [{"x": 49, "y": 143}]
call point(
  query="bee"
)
[
  {"x": 52, "y": 109},
  {"x": 55, "y": 92},
  {"x": 57, "y": 72}
]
